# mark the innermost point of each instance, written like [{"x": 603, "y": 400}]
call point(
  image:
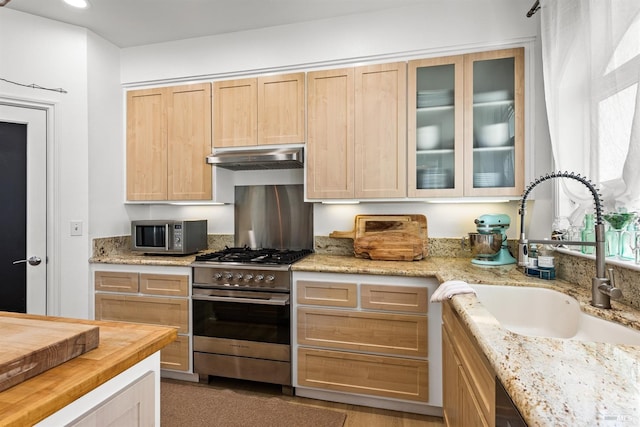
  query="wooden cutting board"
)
[
  {"x": 29, "y": 347},
  {"x": 389, "y": 246},
  {"x": 388, "y": 237}
]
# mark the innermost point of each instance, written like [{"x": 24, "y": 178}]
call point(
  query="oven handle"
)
[{"x": 243, "y": 300}]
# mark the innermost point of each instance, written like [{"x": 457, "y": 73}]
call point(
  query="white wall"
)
[
  {"x": 438, "y": 25},
  {"x": 54, "y": 55},
  {"x": 106, "y": 127}
]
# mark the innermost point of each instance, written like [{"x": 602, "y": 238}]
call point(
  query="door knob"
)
[{"x": 34, "y": 260}]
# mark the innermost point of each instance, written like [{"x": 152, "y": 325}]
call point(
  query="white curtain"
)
[{"x": 591, "y": 66}]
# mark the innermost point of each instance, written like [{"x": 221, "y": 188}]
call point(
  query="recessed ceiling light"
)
[{"x": 82, "y": 4}]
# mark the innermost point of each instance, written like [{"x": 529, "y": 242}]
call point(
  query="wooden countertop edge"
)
[{"x": 51, "y": 401}]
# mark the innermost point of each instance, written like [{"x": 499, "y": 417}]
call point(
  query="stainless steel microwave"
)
[{"x": 168, "y": 236}]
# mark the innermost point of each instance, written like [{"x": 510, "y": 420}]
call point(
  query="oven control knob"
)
[
  {"x": 228, "y": 276},
  {"x": 217, "y": 276},
  {"x": 270, "y": 278},
  {"x": 248, "y": 277},
  {"x": 238, "y": 276},
  {"x": 259, "y": 277}
]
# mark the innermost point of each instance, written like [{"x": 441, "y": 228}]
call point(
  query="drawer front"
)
[
  {"x": 173, "y": 312},
  {"x": 398, "y": 334},
  {"x": 115, "y": 281},
  {"x": 176, "y": 355},
  {"x": 394, "y": 298},
  {"x": 164, "y": 284},
  {"x": 394, "y": 377},
  {"x": 479, "y": 372},
  {"x": 327, "y": 293}
]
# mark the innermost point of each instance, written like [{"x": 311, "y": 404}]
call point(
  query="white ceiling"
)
[{"x": 128, "y": 23}]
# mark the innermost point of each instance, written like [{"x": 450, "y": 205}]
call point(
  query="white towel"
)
[{"x": 450, "y": 288}]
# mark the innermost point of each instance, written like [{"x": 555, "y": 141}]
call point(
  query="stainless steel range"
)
[
  {"x": 241, "y": 309},
  {"x": 241, "y": 314}
]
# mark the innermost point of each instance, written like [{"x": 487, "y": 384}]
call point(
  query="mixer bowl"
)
[{"x": 485, "y": 245}]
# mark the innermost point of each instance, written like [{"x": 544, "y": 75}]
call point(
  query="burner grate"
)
[{"x": 246, "y": 255}]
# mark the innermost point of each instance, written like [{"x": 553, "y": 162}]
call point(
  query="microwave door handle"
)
[
  {"x": 166, "y": 237},
  {"x": 274, "y": 301}
]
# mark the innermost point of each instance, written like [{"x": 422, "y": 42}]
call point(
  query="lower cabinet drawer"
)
[
  {"x": 173, "y": 312},
  {"x": 383, "y": 376},
  {"x": 175, "y": 356},
  {"x": 388, "y": 333}
]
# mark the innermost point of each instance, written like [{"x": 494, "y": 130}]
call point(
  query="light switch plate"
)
[{"x": 76, "y": 228}]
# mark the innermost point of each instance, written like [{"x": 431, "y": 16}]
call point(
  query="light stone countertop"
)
[
  {"x": 132, "y": 258},
  {"x": 553, "y": 382}
]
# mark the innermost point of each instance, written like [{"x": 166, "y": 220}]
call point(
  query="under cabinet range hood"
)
[{"x": 258, "y": 159}]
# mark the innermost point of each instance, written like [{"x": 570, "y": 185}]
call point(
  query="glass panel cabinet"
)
[
  {"x": 435, "y": 131},
  {"x": 465, "y": 128}
]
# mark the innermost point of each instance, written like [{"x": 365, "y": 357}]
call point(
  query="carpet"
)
[{"x": 192, "y": 405}]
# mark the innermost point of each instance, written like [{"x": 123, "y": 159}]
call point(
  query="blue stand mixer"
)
[{"x": 489, "y": 244}]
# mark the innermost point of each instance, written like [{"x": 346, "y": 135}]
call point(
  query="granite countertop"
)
[
  {"x": 552, "y": 381},
  {"x": 122, "y": 345},
  {"x": 133, "y": 258}
]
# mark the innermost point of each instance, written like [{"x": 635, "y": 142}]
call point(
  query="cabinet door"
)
[
  {"x": 189, "y": 142},
  {"x": 450, "y": 365},
  {"x": 476, "y": 380},
  {"x": 380, "y": 131},
  {"x": 176, "y": 285},
  {"x": 394, "y": 377},
  {"x": 235, "y": 113},
  {"x": 176, "y": 355},
  {"x": 389, "y": 333},
  {"x": 494, "y": 123},
  {"x": 115, "y": 281},
  {"x": 471, "y": 414},
  {"x": 281, "y": 109},
  {"x": 172, "y": 312},
  {"x": 330, "y": 134},
  {"x": 327, "y": 293},
  {"x": 147, "y": 144},
  {"x": 394, "y": 298},
  {"x": 131, "y": 406},
  {"x": 435, "y": 127}
]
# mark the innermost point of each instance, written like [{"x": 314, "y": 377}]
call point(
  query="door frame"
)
[{"x": 53, "y": 292}]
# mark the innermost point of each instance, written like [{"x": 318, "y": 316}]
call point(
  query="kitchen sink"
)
[{"x": 547, "y": 313}]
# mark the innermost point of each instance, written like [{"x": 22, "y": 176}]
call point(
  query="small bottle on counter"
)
[
  {"x": 628, "y": 241},
  {"x": 533, "y": 255},
  {"x": 545, "y": 257},
  {"x": 589, "y": 234}
]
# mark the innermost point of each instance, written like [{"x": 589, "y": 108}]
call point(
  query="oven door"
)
[
  {"x": 256, "y": 317},
  {"x": 242, "y": 334}
]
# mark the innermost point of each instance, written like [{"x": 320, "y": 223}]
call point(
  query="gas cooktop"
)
[{"x": 246, "y": 255}]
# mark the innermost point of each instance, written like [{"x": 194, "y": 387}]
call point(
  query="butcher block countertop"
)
[
  {"x": 553, "y": 382},
  {"x": 121, "y": 346}
]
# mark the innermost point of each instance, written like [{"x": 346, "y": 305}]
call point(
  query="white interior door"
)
[{"x": 23, "y": 157}]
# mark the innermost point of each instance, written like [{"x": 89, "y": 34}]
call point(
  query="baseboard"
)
[{"x": 354, "y": 399}]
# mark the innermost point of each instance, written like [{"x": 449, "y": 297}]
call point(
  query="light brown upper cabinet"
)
[
  {"x": 267, "y": 110},
  {"x": 168, "y": 139},
  {"x": 356, "y": 137},
  {"x": 466, "y": 125}
]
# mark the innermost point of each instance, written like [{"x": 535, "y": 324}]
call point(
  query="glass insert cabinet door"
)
[
  {"x": 494, "y": 125},
  {"x": 435, "y": 131},
  {"x": 465, "y": 125}
]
